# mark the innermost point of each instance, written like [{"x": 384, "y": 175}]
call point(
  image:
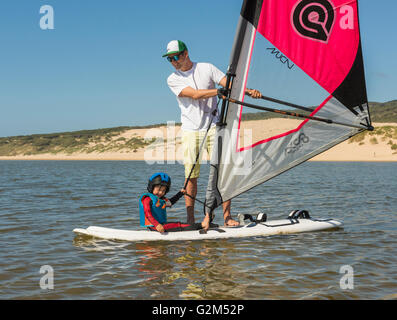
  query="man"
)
[{"x": 194, "y": 85}]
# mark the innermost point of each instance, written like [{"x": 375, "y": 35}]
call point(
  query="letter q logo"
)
[{"x": 314, "y": 19}]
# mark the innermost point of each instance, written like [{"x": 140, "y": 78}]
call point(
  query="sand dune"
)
[{"x": 167, "y": 146}]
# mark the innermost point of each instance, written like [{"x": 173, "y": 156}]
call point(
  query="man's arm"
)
[
  {"x": 223, "y": 82},
  {"x": 197, "y": 94}
]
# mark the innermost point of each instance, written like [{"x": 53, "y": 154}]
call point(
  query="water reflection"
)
[{"x": 203, "y": 270}]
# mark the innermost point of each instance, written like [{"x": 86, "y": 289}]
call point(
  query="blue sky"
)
[{"x": 101, "y": 66}]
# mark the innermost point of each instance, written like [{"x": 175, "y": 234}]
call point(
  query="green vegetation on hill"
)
[
  {"x": 87, "y": 141},
  {"x": 102, "y": 140},
  {"x": 383, "y": 133},
  {"x": 383, "y": 112}
]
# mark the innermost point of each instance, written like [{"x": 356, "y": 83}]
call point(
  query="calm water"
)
[{"x": 41, "y": 202}]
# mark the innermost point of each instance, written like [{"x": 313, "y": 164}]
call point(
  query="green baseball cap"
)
[{"x": 175, "y": 46}]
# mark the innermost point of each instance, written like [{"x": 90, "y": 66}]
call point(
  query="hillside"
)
[
  {"x": 86, "y": 141},
  {"x": 383, "y": 112},
  {"x": 129, "y": 139}
]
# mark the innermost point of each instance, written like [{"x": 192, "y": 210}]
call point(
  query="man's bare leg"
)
[
  {"x": 206, "y": 222},
  {"x": 227, "y": 215},
  {"x": 191, "y": 189}
]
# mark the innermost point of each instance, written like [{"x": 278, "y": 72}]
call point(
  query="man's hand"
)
[
  {"x": 222, "y": 92},
  {"x": 253, "y": 93}
]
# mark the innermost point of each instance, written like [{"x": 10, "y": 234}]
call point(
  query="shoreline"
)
[
  {"x": 318, "y": 158},
  {"x": 121, "y": 160},
  {"x": 167, "y": 148},
  {"x": 77, "y": 159}
]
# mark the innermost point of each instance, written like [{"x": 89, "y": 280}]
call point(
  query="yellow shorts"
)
[{"x": 191, "y": 141}]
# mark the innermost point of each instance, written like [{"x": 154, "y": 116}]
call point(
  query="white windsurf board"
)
[{"x": 268, "y": 228}]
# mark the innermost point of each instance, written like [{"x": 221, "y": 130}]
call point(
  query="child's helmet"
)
[{"x": 159, "y": 178}]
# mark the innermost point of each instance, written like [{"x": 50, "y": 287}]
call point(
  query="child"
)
[{"x": 153, "y": 204}]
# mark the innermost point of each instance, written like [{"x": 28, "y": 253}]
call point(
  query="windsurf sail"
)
[{"x": 305, "y": 57}]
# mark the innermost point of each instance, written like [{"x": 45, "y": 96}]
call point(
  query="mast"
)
[{"x": 238, "y": 66}]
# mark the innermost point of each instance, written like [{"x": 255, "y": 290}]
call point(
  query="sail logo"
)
[
  {"x": 281, "y": 57},
  {"x": 297, "y": 143},
  {"x": 314, "y": 19}
]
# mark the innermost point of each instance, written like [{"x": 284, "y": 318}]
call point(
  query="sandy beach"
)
[{"x": 167, "y": 145}]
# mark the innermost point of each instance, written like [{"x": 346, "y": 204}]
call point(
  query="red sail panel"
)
[{"x": 311, "y": 33}]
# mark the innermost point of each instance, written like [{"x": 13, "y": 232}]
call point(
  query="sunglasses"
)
[{"x": 174, "y": 58}]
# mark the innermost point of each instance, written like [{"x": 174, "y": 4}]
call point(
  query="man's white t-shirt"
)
[{"x": 196, "y": 114}]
